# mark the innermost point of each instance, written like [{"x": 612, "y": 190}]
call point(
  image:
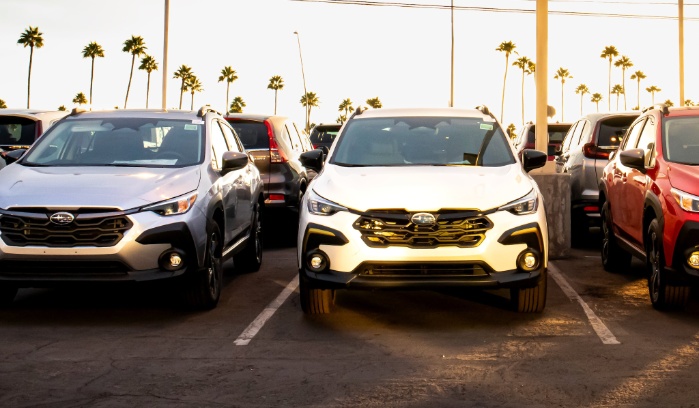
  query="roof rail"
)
[
  {"x": 205, "y": 109},
  {"x": 77, "y": 111},
  {"x": 660, "y": 106}
]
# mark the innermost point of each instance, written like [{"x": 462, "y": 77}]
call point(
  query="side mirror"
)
[
  {"x": 634, "y": 158},
  {"x": 314, "y": 159},
  {"x": 533, "y": 159},
  {"x": 13, "y": 155},
  {"x": 234, "y": 161}
]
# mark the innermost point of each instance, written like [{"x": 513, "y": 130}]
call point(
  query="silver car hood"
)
[
  {"x": 424, "y": 188},
  {"x": 115, "y": 187}
]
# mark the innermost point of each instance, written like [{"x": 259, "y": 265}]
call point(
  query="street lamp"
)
[
  {"x": 305, "y": 91},
  {"x": 166, "y": 28}
]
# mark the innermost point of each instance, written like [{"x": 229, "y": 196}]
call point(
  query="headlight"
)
[
  {"x": 687, "y": 201},
  {"x": 173, "y": 206},
  {"x": 320, "y": 206},
  {"x": 525, "y": 205}
]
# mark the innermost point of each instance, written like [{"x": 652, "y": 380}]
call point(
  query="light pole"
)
[
  {"x": 303, "y": 75},
  {"x": 680, "y": 19},
  {"x": 451, "y": 90},
  {"x": 165, "y": 35}
]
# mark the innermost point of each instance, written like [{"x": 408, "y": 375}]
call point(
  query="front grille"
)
[
  {"x": 464, "y": 229},
  {"x": 426, "y": 269},
  {"x": 89, "y": 228}
]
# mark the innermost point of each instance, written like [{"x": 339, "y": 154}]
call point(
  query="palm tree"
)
[
  {"x": 562, "y": 74},
  {"x": 62, "y": 108},
  {"x": 237, "y": 105},
  {"x": 523, "y": 63},
  {"x": 345, "y": 105},
  {"x": 341, "y": 119},
  {"x": 508, "y": 47},
  {"x": 511, "y": 131},
  {"x": 689, "y": 102},
  {"x": 609, "y": 53},
  {"x": 653, "y": 89},
  {"x": 149, "y": 65},
  {"x": 638, "y": 76},
  {"x": 193, "y": 85},
  {"x": 582, "y": 89},
  {"x": 92, "y": 50},
  {"x": 624, "y": 63},
  {"x": 31, "y": 37},
  {"x": 80, "y": 98},
  {"x": 309, "y": 100},
  {"x": 183, "y": 72},
  {"x": 276, "y": 83},
  {"x": 596, "y": 98},
  {"x": 3, "y": 105},
  {"x": 617, "y": 90},
  {"x": 229, "y": 75},
  {"x": 374, "y": 103},
  {"x": 136, "y": 47},
  {"x": 668, "y": 103}
]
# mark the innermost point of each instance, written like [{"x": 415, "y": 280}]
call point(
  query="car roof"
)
[
  {"x": 253, "y": 116},
  {"x": 135, "y": 113},
  {"x": 418, "y": 112},
  {"x": 33, "y": 113},
  {"x": 594, "y": 117}
]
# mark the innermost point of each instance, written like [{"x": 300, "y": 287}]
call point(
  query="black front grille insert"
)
[
  {"x": 24, "y": 228},
  {"x": 464, "y": 229},
  {"x": 424, "y": 269}
]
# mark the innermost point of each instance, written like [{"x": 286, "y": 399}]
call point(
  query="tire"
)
[
  {"x": 315, "y": 301},
  {"x": 7, "y": 295},
  {"x": 202, "y": 289},
  {"x": 663, "y": 296},
  {"x": 250, "y": 258},
  {"x": 530, "y": 300},
  {"x": 614, "y": 259}
]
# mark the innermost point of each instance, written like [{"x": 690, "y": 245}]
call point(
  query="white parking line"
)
[
  {"x": 262, "y": 318},
  {"x": 602, "y": 331}
]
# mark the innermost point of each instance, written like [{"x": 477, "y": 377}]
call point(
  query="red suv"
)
[{"x": 649, "y": 194}]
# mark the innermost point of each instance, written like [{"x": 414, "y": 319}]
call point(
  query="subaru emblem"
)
[
  {"x": 423, "y": 219},
  {"x": 62, "y": 218}
]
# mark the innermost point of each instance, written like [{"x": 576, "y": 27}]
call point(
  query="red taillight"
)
[
  {"x": 276, "y": 197},
  {"x": 593, "y": 152},
  {"x": 591, "y": 208},
  {"x": 275, "y": 155}
]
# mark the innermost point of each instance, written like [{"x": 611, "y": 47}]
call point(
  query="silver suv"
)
[
  {"x": 131, "y": 195},
  {"x": 584, "y": 153}
]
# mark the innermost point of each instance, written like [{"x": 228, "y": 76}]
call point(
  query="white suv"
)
[{"x": 422, "y": 198}]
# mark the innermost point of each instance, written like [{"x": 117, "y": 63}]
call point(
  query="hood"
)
[
  {"x": 116, "y": 187},
  {"x": 422, "y": 188},
  {"x": 684, "y": 177}
]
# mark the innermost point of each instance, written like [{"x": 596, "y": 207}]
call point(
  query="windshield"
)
[
  {"x": 681, "y": 140},
  {"x": 119, "y": 142},
  {"x": 435, "y": 141}
]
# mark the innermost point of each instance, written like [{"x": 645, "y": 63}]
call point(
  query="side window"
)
[
  {"x": 632, "y": 135},
  {"x": 294, "y": 137},
  {"x": 647, "y": 142},
  {"x": 569, "y": 137},
  {"x": 218, "y": 144},
  {"x": 582, "y": 133},
  {"x": 231, "y": 139}
]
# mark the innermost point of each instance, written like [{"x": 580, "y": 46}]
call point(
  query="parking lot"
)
[{"x": 598, "y": 343}]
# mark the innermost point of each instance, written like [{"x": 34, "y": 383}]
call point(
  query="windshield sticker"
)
[
  {"x": 486, "y": 126},
  {"x": 198, "y": 122},
  {"x": 190, "y": 127}
]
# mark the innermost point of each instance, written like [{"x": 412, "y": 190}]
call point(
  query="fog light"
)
[
  {"x": 317, "y": 261},
  {"x": 175, "y": 260},
  {"x": 528, "y": 260},
  {"x": 172, "y": 260},
  {"x": 693, "y": 260}
]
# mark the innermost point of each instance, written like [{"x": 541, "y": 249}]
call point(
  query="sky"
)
[{"x": 401, "y": 55}]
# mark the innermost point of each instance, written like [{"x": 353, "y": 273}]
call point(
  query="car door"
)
[
  {"x": 637, "y": 182},
  {"x": 619, "y": 189},
  {"x": 243, "y": 185},
  {"x": 562, "y": 158},
  {"x": 225, "y": 184}
]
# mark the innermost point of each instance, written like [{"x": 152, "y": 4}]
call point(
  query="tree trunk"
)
[
  {"x": 522, "y": 96},
  {"x": 228, "y": 87},
  {"x": 181, "y": 92},
  {"x": 147, "y": 90},
  {"x": 92, "y": 80},
  {"x": 609, "y": 86},
  {"x": 504, "y": 82},
  {"x": 128, "y": 87},
  {"x": 275, "y": 101},
  {"x": 29, "y": 75}
]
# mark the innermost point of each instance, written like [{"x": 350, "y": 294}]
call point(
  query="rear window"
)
[
  {"x": 611, "y": 131},
  {"x": 17, "y": 131},
  {"x": 253, "y": 135},
  {"x": 556, "y": 133},
  {"x": 324, "y": 135}
]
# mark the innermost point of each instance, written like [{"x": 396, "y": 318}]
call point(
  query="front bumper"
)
[
  {"x": 351, "y": 263},
  {"x": 686, "y": 242},
  {"x": 136, "y": 257}
]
